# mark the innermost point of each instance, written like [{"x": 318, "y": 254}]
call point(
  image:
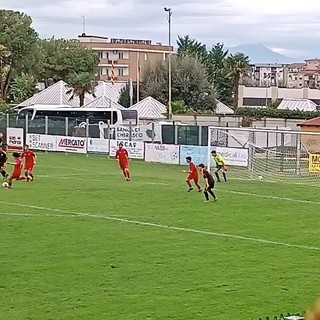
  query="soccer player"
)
[
  {"x": 3, "y": 160},
  {"x": 220, "y": 165},
  {"x": 208, "y": 178},
  {"x": 16, "y": 174},
  {"x": 123, "y": 158},
  {"x": 30, "y": 161},
  {"x": 192, "y": 175}
]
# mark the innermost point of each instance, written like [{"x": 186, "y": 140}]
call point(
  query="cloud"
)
[{"x": 292, "y": 26}]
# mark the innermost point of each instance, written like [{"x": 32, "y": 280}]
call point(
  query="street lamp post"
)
[{"x": 169, "y": 65}]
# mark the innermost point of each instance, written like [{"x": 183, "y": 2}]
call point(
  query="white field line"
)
[
  {"x": 22, "y": 214},
  {"x": 261, "y": 196},
  {"x": 156, "y": 225}
]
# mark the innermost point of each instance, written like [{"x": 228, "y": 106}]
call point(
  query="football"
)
[
  {"x": 260, "y": 177},
  {"x": 5, "y": 185}
]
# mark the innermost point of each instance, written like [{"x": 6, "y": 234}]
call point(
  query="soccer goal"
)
[{"x": 270, "y": 154}]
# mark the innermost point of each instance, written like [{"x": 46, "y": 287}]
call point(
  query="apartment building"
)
[
  {"x": 266, "y": 75},
  {"x": 129, "y": 57}
]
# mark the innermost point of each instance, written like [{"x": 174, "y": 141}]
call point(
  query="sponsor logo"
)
[{"x": 72, "y": 143}]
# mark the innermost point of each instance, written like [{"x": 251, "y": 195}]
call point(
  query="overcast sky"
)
[{"x": 289, "y": 27}]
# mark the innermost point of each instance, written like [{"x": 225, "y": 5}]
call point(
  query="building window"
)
[
  {"x": 104, "y": 71},
  {"x": 120, "y": 72},
  {"x": 145, "y": 56},
  {"x": 100, "y": 54},
  {"x": 124, "y": 55},
  {"x": 164, "y": 57},
  {"x": 126, "y": 71},
  {"x": 104, "y": 55}
]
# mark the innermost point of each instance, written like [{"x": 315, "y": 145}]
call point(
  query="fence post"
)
[
  {"x": 87, "y": 135},
  {"x": 298, "y": 163},
  {"x": 27, "y": 123},
  {"x": 26, "y": 128},
  {"x": 108, "y": 137},
  {"x": 130, "y": 131},
  {"x": 152, "y": 132},
  {"x": 66, "y": 129},
  {"x": 8, "y": 120},
  {"x": 176, "y": 131},
  {"x": 67, "y": 126},
  {"x": 200, "y": 135},
  {"x": 46, "y": 125}
]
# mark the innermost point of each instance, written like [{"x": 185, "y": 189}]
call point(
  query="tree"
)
[
  {"x": 81, "y": 84},
  {"x": 191, "y": 47},
  {"x": 124, "y": 98},
  {"x": 189, "y": 83},
  {"x": 63, "y": 58},
  {"x": 23, "y": 87},
  {"x": 238, "y": 67},
  {"x": 20, "y": 41},
  {"x": 218, "y": 74}
]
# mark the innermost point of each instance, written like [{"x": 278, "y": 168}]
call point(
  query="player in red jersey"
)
[
  {"x": 16, "y": 174},
  {"x": 29, "y": 163},
  {"x": 123, "y": 158},
  {"x": 192, "y": 175}
]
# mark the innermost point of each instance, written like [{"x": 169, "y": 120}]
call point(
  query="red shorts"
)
[
  {"x": 28, "y": 166},
  {"x": 193, "y": 177},
  {"x": 15, "y": 176},
  {"x": 123, "y": 165}
]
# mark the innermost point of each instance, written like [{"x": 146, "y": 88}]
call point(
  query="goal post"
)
[{"x": 271, "y": 154}]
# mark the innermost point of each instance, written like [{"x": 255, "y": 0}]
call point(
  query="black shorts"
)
[
  {"x": 2, "y": 164},
  {"x": 219, "y": 167},
  {"x": 211, "y": 186}
]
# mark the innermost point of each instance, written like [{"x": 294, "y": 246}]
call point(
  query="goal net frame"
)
[{"x": 274, "y": 154}]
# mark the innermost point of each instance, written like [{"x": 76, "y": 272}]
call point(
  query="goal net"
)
[{"x": 268, "y": 154}]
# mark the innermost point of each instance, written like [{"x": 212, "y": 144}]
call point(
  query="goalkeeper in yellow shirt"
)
[{"x": 220, "y": 165}]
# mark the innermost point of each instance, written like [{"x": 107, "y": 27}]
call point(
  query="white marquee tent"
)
[
  {"x": 150, "y": 109},
  {"x": 54, "y": 95}
]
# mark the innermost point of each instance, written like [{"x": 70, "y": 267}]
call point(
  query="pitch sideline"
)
[{"x": 156, "y": 225}]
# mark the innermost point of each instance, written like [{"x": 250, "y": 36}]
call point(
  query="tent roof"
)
[
  {"x": 105, "y": 89},
  {"x": 150, "y": 108},
  {"x": 297, "y": 104},
  {"x": 103, "y": 102},
  {"x": 54, "y": 95},
  {"x": 221, "y": 108}
]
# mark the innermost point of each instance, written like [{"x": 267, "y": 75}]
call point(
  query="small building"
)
[{"x": 311, "y": 142}]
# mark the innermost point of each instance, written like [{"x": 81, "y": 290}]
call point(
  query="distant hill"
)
[{"x": 258, "y": 53}]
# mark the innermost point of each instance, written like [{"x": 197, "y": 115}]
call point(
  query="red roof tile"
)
[{"x": 315, "y": 122}]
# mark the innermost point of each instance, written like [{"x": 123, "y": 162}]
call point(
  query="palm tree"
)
[
  {"x": 80, "y": 84},
  {"x": 238, "y": 67}
]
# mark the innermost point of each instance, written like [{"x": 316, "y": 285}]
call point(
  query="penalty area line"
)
[{"x": 162, "y": 226}]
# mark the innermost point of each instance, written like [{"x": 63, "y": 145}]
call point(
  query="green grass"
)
[{"x": 61, "y": 257}]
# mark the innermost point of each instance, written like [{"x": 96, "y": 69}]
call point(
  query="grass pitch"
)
[{"x": 81, "y": 243}]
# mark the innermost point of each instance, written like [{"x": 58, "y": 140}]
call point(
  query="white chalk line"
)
[
  {"x": 22, "y": 214},
  {"x": 162, "y": 226}
]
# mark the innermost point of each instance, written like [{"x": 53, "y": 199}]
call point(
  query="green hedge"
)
[{"x": 259, "y": 113}]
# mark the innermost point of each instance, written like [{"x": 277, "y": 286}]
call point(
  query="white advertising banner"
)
[
  {"x": 15, "y": 139},
  {"x": 140, "y": 133},
  {"x": 135, "y": 148},
  {"x": 41, "y": 142},
  {"x": 98, "y": 145},
  {"x": 71, "y": 144},
  {"x": 162, "y": 153},
  {"x": 234, "y": 156}
]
